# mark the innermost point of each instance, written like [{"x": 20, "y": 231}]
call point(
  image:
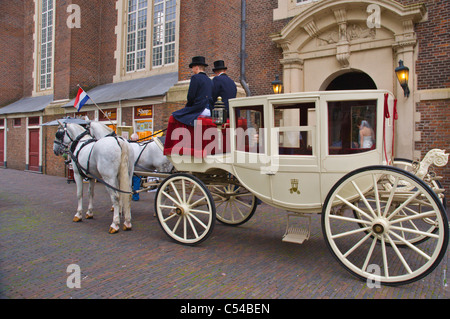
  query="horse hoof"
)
[
  {"x": 89, "y": 216},
  {"x": 77, "y": 219},
  {"x": 113, "y": 230},
  {"x": 125, "y": 228}
]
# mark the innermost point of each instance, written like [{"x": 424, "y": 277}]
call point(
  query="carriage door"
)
[
  {"x": 33, "y": 145},
  {"x": 294, "y": 149}
]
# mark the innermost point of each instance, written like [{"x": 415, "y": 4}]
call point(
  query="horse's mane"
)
[
  {"x": 76, "y": 128},
  {"x": 107, "y": 128}
]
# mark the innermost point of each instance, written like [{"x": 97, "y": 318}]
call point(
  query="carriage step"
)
[{"x": 297, "y": 234}]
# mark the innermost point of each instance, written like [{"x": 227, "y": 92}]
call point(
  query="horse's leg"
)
[
  {"x": 127, "y": 212},
  {"x": 90, "y": 211},
  {"x": 79, "y": 182},
  {"x": 114, "y": 228}
]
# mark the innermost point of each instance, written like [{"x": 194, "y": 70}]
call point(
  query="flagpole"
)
[{"x": 99, "y": 108}]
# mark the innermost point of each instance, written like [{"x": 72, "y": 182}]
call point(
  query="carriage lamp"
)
[
  {"x": 277, "y": 85},
  {"x": 219, "y": 115},
  {"x": 402, "y": 76}
]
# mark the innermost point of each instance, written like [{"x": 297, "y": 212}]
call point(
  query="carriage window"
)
[
  {"x": 250, "y": 129},
  {"x": 296, "y": 123},
  {"x": 351, "y": 126}
]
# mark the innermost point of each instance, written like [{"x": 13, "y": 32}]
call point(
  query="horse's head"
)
[{"x": 61, "y": 141}]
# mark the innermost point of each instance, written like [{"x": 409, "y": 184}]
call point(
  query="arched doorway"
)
[{"x": 351, "y": 81}]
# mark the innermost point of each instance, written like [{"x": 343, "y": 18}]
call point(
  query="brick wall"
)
[
  {"x": 53, "y": 165},
  {"x": 211, "y": 29},
  {"x": 433, "y": 65},
  {"x": 435, "y": 131},
  {"x": 11, "y": 43},
  {"x": 16, "y": 146},
  {"x": 263, "y": 61}
]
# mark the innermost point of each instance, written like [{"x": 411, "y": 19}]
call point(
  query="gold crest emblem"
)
[{"x": 294, "y": 186}]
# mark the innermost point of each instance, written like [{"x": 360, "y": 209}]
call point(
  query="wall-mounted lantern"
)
[
  {"x": 277, "y": 85},
  {"x": 402, "y": 76}
]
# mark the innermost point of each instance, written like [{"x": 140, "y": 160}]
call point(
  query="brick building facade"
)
[{"x": 296, "y": 39}]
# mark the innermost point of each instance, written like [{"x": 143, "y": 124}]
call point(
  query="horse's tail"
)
[{"x": 124, "y": 177}]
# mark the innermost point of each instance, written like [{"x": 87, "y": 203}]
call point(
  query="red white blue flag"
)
[{"x": 81, "y": 99}]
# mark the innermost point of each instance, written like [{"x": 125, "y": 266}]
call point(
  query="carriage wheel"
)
[
  {"x": 235, "y": 205},
  {"x": 408, "y": 166},
  {"x": 185, "y": 209},
  {"x": 391, "y": 213}
]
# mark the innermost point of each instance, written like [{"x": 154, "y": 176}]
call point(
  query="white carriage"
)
[{"x": 303, "y": 152}]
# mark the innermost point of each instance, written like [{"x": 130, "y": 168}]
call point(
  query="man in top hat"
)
[
  {"x": 199, "y": 97},
  {"x": 222, "y": 84}
]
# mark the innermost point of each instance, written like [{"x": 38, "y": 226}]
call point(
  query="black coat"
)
[
  {"x": 199, "y": 97},
  {"x": 224, "y": 87}
]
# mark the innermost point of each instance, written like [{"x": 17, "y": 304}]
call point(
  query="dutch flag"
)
[{"x": 81, "y": 99}]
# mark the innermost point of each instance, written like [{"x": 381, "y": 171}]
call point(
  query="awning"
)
[
  {"x": 156, "y": 85},
  {"x": 27, "y": 105}
]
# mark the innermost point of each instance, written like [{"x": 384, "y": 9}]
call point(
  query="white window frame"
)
[
  {"x": 42, "y": 38},
  {"x": 128, "y": 68}
]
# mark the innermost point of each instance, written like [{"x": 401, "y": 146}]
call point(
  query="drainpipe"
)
[{"x": 243, "y": 53}]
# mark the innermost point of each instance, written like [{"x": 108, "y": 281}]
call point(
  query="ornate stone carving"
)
[{"x": 352, "y": 32}]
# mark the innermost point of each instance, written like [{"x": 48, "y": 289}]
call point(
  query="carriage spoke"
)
[
  {"x": 171, "y": 198},
  {"x": 198, "y": 201},
  {"x": 399, "y": 254},
  {"x": 192, "y": 226},
  {"x": 364, "y": 199},
  {"x": 414, "y": 217},
  {"x": 176, "y": 192},
  {"x": 409, "y": 200},
  {"x": 183, "y": 188},
  {"x": 377, "y": 195},
  {"x": 200, "y": 211},
  {"x": 349, "y": 219},
  {"x": 351, "y": 232},
  {"x": 358, "y": 244},
  {"x": 417, "y": 232},
  {"x": 238, "y": 209},
  {"x": 384, "y": 254},
  {"x": 189, "y": 216},
  {"x": 167, "y": 206},
  {"x": 243, "y": 203},
  {"x": 407, "y": 243},
  {"x": 170, "y": 217},
  {"x": 353, "y": 207},
  {"x": 391, "y": 196},
  {"x": 369, "y": 253},
  {"x": 191, "y": 194}
]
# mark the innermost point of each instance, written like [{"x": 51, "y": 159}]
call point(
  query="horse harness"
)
[{"x": 84, "y": 172}]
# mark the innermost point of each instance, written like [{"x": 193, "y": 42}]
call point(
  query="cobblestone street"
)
[{"x": 38, "y": 241}]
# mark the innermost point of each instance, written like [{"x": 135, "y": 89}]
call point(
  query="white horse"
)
[
  {"x": 148, "y": 155},
  {"x": 108, "y": 160}
]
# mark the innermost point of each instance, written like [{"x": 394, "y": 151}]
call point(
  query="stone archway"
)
[
  {"x": 333, "y": 37},
  {"x": 350, "y": 80}
]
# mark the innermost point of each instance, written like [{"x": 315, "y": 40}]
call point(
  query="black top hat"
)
[
  {"x": 198, "y": 60},
  {"x": 219, "y": 65}
]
